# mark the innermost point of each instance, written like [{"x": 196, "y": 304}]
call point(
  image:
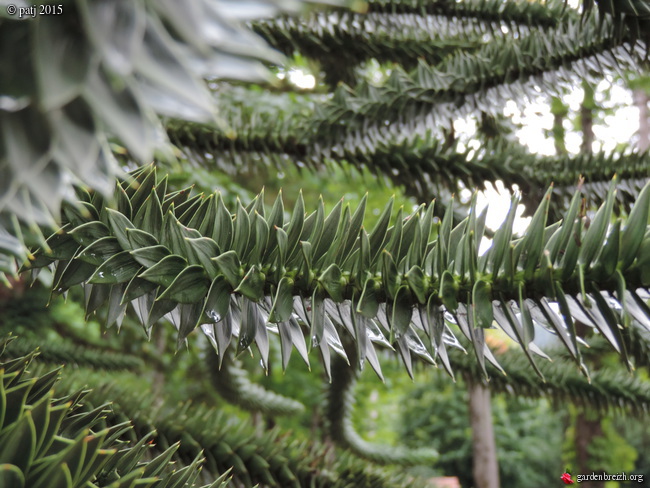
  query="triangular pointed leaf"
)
[{"x": 190, "y": 286}]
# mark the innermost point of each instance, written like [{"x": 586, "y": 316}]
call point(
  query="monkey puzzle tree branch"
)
[{"x": 193, "y": 260}]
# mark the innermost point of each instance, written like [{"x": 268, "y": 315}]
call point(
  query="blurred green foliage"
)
[
  {"x": 609, "y": 452},
  {"x": 528, "y": 433}
]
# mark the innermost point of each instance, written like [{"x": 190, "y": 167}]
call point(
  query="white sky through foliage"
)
[
  {"x": 615, "y": 128},
  {"x": 617, "y": 125}
]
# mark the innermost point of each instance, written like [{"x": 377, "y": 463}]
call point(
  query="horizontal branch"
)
[
  {"x": 481, "y": 80},
  {"x": 509, "y": 12},
  {"x": 419, "y": 164},
  {"x": 341, "y": 41},
  {"x": 405, "y": 286},
  {"x": 605, "y": 390},
  {"x": 403, "y": 32}
]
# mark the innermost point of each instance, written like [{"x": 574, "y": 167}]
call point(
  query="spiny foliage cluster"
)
[
  {"x": 56, "y": 442},
  {"x": 186, "y": 434},
  {"x": 272, "y": 459},
  {"x": 72, "y": 83},
  {"x": 606, "y": 390},
  {"x": 242, "y": 273},
  {"x": 446, "y": 60},
  {"x": 421, "y": 163},
  {"x": 82, "y": 85},
  {"x": 78, "y": 355}
]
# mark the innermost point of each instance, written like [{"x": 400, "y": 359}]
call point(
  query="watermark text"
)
[{"x": 609, "y": 477}]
